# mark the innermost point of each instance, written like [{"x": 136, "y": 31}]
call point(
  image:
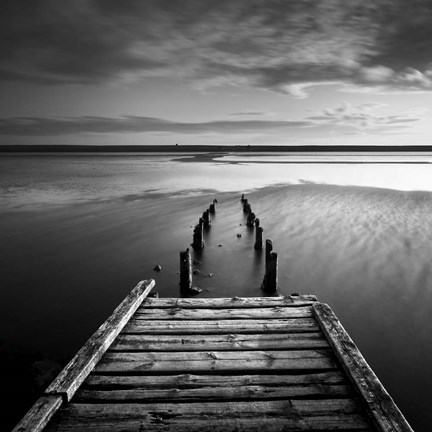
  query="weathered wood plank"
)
[
  {"x": 174, "y": 313},
  {"x": 211, "y": 393},
  {"x": 155, "y": 422},
  {"x": 215, "y": 361},
  {"x": 75, "y": 372},
  {"x": 226, "y": 342},
  {"x": 221, "y": 326},
  {"x": 39, "y": 414},
  {"x": 234, "y": 302},
  {"x": 254, "y": 409},
  {"x": 276, "y": 415},
  {"x": 185, "y": 381},
  {"x": 383, "y": 410}
]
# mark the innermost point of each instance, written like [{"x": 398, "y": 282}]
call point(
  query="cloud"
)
[
  {"x": 249, "y": 113},
  {"x": 343, "y": 119},
  {"x": 362, "y": 117},
  {"x": 283, "y": 46},
  {"x": 38, "y": 126}
]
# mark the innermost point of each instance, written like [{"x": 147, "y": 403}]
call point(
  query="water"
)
[{"x": 78, "y": 232}]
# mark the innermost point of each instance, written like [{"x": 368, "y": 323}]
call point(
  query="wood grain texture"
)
[
  {"x": 276, "y": 415},
  {"x": 76, "y": 371},
  {"x": 382, "y": 409},
  {"x": 39, "y": 414},
  {"x": 248, "y": 364},
  {"x": 165, "y": 422},
  {"x": 184, "y": 381},
  {"x": 221, "y": 326},
  {"x": 210, "y": 393},
  {"x": 139, "y": 362},
  {"x": 224, "y": 342},
  {"x": 233, "y": 302},
  {"x": 175, "y": 313}
]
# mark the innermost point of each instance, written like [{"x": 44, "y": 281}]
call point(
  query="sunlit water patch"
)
[{"x": 35, "y": 181}]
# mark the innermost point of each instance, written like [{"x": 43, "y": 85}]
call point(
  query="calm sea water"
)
[{"x": 78, "y": 232}]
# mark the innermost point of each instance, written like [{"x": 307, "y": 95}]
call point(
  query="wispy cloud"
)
[
  {"x": 284, "y": 46},
  {"x": 249, "y": 113},
  {"x": 363, "y": 117},
  {"x": 345, "y": 119},
  {"x": 38, "y": 126}
]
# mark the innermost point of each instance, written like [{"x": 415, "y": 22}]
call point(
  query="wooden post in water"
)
[
  {"x": 257, "y": 222},
  {"x": 258, "y": 237},
  {"x": 185, "y": 270},
  {"x": 250, "y": 219},
  {"x": 242, "y": 199},
  {"x": 198, "y": 242},
  {"x": 247, "y": 208},
  {"x": 269, "y": 248},
  {"x": 212, "y": 208},
  {"x": 270, "y": 281},
  {"x": 206, "y": 218}
]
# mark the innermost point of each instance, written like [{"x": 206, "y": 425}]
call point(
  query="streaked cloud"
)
[
  {"x": 249, "y": 113},
  {"x": 283, "y": 46},
  {"x": 343, "y": 119},
  {"x": 363, "y": 117},
  {"x": 37, "y": 126}
]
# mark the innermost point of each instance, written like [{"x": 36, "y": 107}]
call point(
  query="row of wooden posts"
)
[
  {"x": 270, "y": 280},
  {"x": 204, "y": 222},
  {"x": 252, "y": 221}
]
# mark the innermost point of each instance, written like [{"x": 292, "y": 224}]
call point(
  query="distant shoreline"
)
[{"x": 211, "y": 149}]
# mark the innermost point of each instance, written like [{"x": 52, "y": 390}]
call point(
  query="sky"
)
[{"x": 289, "y": 72}]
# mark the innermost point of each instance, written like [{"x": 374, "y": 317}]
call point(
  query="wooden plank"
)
[
  {"x": 217, "y": 314},
  {"x": 156, "y": 422},
  {"x": 185, "y": 381},
  {"x": 381, "y": 406},
  {"x": 76, "y": 371},
  {"x": 276, "y": 415},
  {"x": 234, "y": 302},
  {"x": 253, "y": 409},
  {"x": 210, "y": 393},
  {"x": 39, "y": 414},
  {"x": 225, "y": 342},
  {"x": 221, "y": 326},
  {"x": 138, "y": 362}
]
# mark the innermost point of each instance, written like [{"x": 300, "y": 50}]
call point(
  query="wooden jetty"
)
[{"x": 217, "y": 364}]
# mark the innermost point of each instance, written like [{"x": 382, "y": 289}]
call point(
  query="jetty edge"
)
[
  {"x": 281, "y": 363},
  {"x": 76, "y": 371}
]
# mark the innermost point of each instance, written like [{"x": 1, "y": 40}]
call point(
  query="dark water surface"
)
[{"x": 70, "y": 255}]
